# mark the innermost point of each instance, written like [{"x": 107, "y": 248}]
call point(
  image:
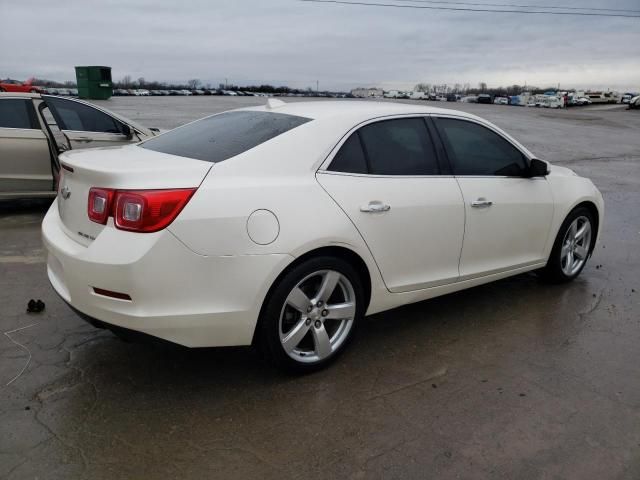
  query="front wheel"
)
[
  {"x": 311, "y": 314},
  {"x": 571, "y": 248}
]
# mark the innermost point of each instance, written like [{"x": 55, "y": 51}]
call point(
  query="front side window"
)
[
  {"x": 389, "y": 147},
  {"x": 220, "y": 137},
  {"x": 17, "y": 113},
  {"x": 76, "y": 116},
  {"x": 476, "y": 150}
]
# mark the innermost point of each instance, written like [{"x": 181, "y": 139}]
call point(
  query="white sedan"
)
[{"x": 284, "y": 225}]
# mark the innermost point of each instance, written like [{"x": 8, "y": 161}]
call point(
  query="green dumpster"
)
[{"x": 94, "y": 82}]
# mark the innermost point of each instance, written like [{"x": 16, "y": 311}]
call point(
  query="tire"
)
[
  {"x": 300, "y": 329},
  {"x": 571, "y": 249}
]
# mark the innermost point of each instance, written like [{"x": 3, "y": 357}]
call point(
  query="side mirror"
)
[
  {"x": 538, "y": 168},
  {"x": 126, "y": 131}
]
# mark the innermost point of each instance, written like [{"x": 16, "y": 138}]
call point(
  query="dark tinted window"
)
[
  {"x": 399, "y": 147},
  {"x": 17, "y": 113},
  {"x": 476, "y": 150},
  {"x": 223, "y": 136},
  {"x": 350, "y": 157},
  {"x": 71, "y": 115}
]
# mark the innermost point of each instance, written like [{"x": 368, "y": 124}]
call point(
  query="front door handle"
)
[
  {"x": 481, "y": 203},
  {"x": 375, "y": 207},
  {"x": 84, "y": 139}
]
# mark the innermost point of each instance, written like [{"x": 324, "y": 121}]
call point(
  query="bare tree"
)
[
  {"x": 422, "y": 87},
  {"x": 483, "y": 86},
  {"x": 142, "y": 82},
  {"x": 126, "y": 81},
  {"x": 194, "y": 83}
]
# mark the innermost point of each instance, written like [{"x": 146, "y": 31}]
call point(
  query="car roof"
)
[{"x": 354, "y": 110}]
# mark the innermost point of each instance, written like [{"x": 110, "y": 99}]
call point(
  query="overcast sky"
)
[{"x": 286, "y": 42}]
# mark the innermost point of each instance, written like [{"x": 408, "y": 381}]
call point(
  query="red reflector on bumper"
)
[{"x": 109, "y": 293}]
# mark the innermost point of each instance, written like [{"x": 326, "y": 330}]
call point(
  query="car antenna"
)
[{"x": 274, "y": 103}]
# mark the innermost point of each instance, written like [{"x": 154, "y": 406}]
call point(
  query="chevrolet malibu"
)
[{"x": 283, "y": 225}]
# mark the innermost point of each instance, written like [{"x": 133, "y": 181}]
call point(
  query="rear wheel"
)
[
  {"x": 311, "y": 314},
  {"x": 572, "y": 247}
]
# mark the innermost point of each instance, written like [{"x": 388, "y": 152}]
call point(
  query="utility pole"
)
[
  {"x": 226, "y": 83},
  {"x": 317, "y": 87}
]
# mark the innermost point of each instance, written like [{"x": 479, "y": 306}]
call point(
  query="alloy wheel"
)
[
  {"x": 317, "y": 316},
  {"x": 575, "y": 246}
]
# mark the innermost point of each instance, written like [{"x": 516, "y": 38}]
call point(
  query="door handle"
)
[
  {"x": 375, "y": 207},
  {"x": 481, "y": 203},
  {"x": 84, "y": 139}
]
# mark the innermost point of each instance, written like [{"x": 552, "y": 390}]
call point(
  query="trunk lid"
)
[{"x": 121, "y": 168}]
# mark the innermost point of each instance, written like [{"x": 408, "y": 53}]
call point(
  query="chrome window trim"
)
[{"x": 373, "y": 175}]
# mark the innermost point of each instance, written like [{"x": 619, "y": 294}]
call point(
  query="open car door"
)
[
  {"x": 86, "y": 126},
  {"x": 25, "y": 162}
]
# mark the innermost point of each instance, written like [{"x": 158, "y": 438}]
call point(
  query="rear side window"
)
[
  {"x": 389, "y": 147},
  {"x": 17, "y": 113},
  {"x": 476, "y": 150},
  {"x": 350, "y": 157},
  {"x": 217, "y": 138},
  {"x": 76, "y": 116}
]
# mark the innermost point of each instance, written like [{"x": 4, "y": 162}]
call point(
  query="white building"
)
[{"x": 367, "y": 92}]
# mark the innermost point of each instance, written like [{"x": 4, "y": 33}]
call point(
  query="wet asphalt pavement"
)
[{"x": 514, "y": 380}]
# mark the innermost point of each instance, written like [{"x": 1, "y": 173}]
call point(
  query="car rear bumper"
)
[{"x": 176, "y": 294}]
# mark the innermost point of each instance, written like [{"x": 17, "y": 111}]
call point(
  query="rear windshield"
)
[{"x": 217, "y": 138}]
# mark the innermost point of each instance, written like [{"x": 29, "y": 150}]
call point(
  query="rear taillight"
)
[
  {"x": 137, "y": 210},
  {"x": 100, "y": 204}
]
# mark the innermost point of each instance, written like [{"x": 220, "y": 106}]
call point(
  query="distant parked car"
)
[
  {"x": 185, "y": 92},
  {"x": 634, "y": 103},
  {"x": 501, "y": 101},
  {"x": 120, "y": 92},
  {"x": 73, "y": 92},
  {"x": 469, "y": 99},
  {"x": 9, "y": 85},
  {"x": 484, "y": 98},
  {"x": 583, "y": 101},
  {"x": 35, "y": 129},
  {"x": 64, "y": 91}
]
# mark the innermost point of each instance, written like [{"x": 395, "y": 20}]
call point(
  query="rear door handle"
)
[
  {"x": 375, "y": 207},
  {"x": 481, "y": 203}
]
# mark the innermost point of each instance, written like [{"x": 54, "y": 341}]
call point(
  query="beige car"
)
[{"x": 35, "y": 129}]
